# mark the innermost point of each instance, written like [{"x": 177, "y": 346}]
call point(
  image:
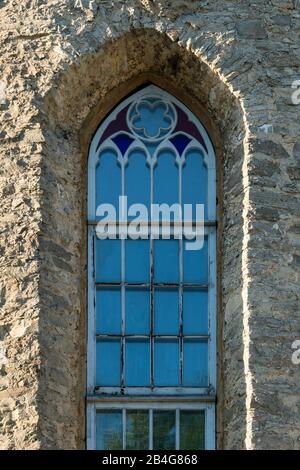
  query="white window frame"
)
[
  {"x": 157, "y": 404},
  {"x": 142, "y": 397}
]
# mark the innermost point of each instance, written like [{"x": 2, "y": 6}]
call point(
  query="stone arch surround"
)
[
  {"x": 67, "y": 115},
  {"x": 86, "y": 92}
]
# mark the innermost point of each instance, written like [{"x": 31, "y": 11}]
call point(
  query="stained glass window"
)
[{"x": 151, "y": 300}]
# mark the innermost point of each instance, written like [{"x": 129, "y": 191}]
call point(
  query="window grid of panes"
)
[
  {"x": 158, "y": 426},
  {"x": 153, "y": 331},
  {"x": 151, "y": 302}
]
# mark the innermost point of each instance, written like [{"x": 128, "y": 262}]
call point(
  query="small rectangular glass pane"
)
[
  {"x": 109, "y": 430},
  {"x": 137, "y": 182},
  {"x": 137, "y": 430},
  {"x": 164, "y": 430},
  {"x": 165, "y": 184},
  {"x": 192, "y": 430},
  {"x": 137, "y": 311},
  {"x": 195, "y": 312},
  {"x": 108, "y": 260},
  {"x": 195, "y": 363},
  {"x": 166, "y": 362},
  {"x": 166, "y": 312},
  {"x": 166, "y": 261},
  {"x": 137, "y": 261},
  {"x": 195, "y": 264},
  {"x": 137, "y": 363},
  {"x": 108, "y": 311},
  {"x": 108, "y": 362}
]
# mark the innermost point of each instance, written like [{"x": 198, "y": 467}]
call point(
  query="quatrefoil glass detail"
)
[{"x": 151, "y": 119}]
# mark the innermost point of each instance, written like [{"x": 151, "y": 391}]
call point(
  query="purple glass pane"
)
[
  {"x": 122, "y": 141},
  {"x": 118, "y": 124},
  {"x": 180, "y": 142},
  {"x": 185, "y": 125}
]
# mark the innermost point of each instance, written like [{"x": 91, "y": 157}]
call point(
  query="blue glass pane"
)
[
  {"x": 166, "y": 312},
  {"x": 109, "y": 430},
  {"x": 108, "y": 359},
  {"x": 151, "y": 118},
  {"x": 194, "y": 180},
  {"x": 166, "y": 261},
  {"x": 137, "y": 311},
  {"x": 166, "y": 181},
  {"x": 137, "y": 181},
  {"x": 137, "y": 363},
  {"x": 123, "y": 142},
  {"x": 166, "y": 362},
  {"x": 195, "y": 312},
  {"x": 195, "y": 264},
  {"x": 108, "y": 260},
  {"x": 151, "y": 147},
  {"x": 137, "y": 262},
  {"x": 108, "y": 180},
  {"x": 195, "y": 363},
  {"x": 108, "y": 311},
  {"x": 180, "y": 142}
]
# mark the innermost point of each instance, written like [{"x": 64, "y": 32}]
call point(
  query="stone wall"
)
[{"x": 64, "y": 65}]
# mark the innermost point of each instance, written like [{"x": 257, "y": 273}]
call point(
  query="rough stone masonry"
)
[{"x": 64, "y": 64}]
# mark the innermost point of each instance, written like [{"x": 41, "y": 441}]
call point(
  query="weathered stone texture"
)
[{"x": 62, "y": 62}]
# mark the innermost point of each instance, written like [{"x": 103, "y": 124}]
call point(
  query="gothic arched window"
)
[{"x": 151, "y": 300}]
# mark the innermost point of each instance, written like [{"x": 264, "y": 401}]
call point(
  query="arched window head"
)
[{"x": 151, "y": 281}]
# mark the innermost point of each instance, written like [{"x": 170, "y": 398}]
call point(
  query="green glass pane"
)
[
  {"x": 192, "y": 430},
  {"x": 164, "y": 430},
  {"x": 137, "y": 430},
  {"x": 109, "y": 430}
]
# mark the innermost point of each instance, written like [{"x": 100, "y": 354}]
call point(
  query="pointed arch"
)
[
  {"x": 176, "y": 287},
  {"x": 69, "y": 119}
]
